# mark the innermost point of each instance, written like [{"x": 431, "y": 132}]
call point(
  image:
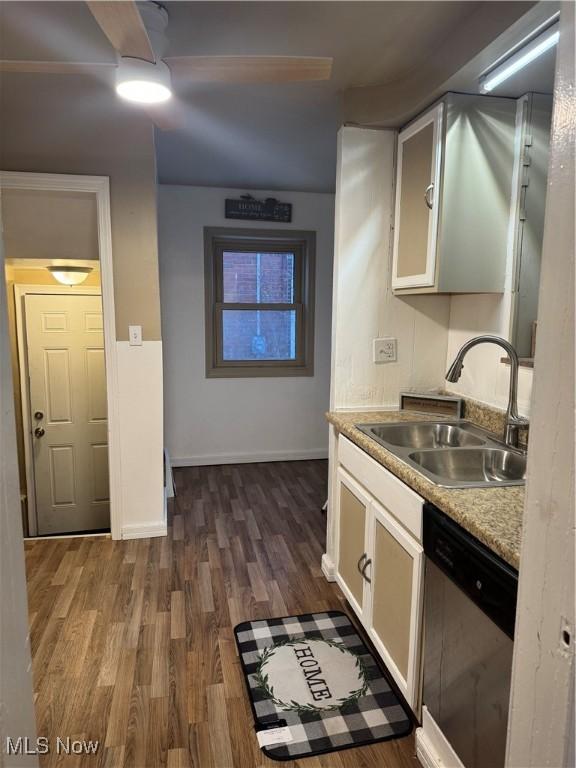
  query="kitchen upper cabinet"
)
[
  {"x": 454, "y": 177},
  {"x": 417, "y": 182},
  {"x": 380, "y": 563}
]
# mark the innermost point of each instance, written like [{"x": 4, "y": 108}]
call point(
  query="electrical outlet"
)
[
  {"x": 135, "y": 335},
  {"x": 385, "y": 350}
]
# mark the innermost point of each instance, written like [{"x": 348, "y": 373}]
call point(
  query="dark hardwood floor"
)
[{"x": 132, "y": 641}]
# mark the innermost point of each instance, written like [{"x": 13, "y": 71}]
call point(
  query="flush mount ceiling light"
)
[
  {"x": 143, "y": 82},
  {"x": 68, "y": 275},
  {"x": 520, "y": 59}
]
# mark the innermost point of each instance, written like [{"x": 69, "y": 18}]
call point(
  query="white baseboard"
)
[
  {"x": 248, "y": 458},
  {"x": 135, "y": 531},
  {"x": 424, "y": 755},
  {"x": 328, "y": 568},
  {"x": 104, "y": 534},
  {"x": 433, "y": 749}
]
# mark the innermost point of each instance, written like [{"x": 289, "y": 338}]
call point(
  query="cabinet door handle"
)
[
  {"x": 427, "y": 196},
  {"x": 358, "y": 565},
  {"x": 363, "y": 571}
]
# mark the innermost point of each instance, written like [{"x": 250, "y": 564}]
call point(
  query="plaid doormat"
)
[{"x": 315, "y": 687}]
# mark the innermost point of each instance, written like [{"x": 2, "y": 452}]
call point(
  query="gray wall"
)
[
  {"x": 16, "y": 705},
  {"x": 76, "y": 125},
  {"x": 211, "y": 421}
]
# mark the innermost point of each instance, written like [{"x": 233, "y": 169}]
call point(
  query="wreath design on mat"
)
[{"x": 263, "y": 684}]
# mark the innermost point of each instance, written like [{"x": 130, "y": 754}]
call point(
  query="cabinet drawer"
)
[{"x": 403, "y": 502}]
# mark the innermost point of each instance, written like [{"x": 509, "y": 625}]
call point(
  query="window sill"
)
[
  {"x": 523, "y": 362},
  {"x": 254, "y": 372}
]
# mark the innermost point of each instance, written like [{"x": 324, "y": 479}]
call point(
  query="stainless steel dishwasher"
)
[{"x": 469, "y": 612}]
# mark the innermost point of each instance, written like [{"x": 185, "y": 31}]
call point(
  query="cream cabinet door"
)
[
  {"x": 417, "y": 201},
  {"x": 395, "y": 612},
  {"x": 353, "y": 511}
]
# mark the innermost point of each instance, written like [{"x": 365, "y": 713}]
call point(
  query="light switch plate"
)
[
  {"x": 385, "y": 350},
  {"x": 135, "y": 335}
]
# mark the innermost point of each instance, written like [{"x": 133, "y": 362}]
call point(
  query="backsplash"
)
[{"x": 489, "y": 418}]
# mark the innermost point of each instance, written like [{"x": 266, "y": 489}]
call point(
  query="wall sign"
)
[{"x": 247, "y": 207}]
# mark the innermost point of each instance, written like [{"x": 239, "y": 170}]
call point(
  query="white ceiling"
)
[
  {"x": 258, "y": 136},
  {"x": 284, "y": 136}
]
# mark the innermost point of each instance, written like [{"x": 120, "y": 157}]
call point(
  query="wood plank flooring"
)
[{"x": 132, "y": 641}]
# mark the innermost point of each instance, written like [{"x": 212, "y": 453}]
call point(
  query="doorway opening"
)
[
  {"x": 63, "y": 408},
  {"x": 61, "y": 348}
]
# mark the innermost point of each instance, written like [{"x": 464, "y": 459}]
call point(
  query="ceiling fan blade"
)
[
  {"x": 55, "y": 67},
  {"x": 122, "y": 24},
  {"x": 250, "y": 69}
]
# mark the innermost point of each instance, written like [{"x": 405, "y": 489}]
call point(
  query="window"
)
[{"x": 259, "y": 302}]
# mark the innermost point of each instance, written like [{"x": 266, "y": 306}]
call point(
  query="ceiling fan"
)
[{"x": 144, "y": 76}]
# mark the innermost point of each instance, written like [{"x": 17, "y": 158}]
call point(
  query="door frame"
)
[
  {"x": 22, "y": 290},
  {"x": 99, "y": 186}
]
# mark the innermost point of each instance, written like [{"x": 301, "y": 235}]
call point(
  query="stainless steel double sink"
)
[{"x": 455, "y": 454}]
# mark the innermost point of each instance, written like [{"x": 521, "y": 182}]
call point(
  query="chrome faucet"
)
[{"x": 513, "y": 420}]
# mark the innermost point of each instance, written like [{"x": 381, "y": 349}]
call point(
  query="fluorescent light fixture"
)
[
  {"x": 143, "y": 82},
  {"x": 528, "y": 53},
  {"x": 68, "y": 275}
]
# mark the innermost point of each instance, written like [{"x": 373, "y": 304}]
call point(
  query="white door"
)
[{"x": 67, "y": 379}]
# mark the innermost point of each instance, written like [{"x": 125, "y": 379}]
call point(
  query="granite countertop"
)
[{"x": 492, "y": 515}]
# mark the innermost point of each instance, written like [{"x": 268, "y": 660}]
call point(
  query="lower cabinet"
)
[
  {"x": 380, "y": 568},
  {"x": 354, "y": 510},
  {"x": 353, "y": 537},
  {"x": 395, "y": 616}
]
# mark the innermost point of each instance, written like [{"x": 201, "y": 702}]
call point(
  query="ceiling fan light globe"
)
[
  {"x": 143, "y": 92},
  {"x": 143, "y": 82}
]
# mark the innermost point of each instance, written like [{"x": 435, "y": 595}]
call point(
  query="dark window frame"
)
[{"x": 299, "y": 242}]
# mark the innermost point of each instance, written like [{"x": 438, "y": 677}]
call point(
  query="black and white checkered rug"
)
[{"x": 315, "y": 687}]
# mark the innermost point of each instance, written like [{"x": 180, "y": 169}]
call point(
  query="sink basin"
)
[
  {"x": 472, "y": 466},
  {"x": 453, "y": 454},
  {"x": 425, "y": 435}
]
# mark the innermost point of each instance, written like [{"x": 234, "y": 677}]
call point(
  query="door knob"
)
[
  {"x": 38, "y": 415},
  {"x": 39, "y": 432}
]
